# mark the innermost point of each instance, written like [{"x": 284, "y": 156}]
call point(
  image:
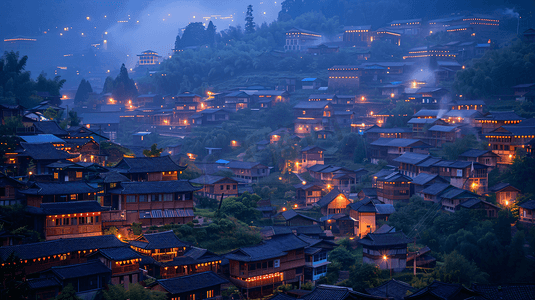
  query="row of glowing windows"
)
[
  {"x": 477, "y": 23},
  {"x": 19, "y": 39},
  {"x": 515, "y": 136},
  {"x": 430, "y": 51},
  {"x": 302, "y": 33},
  {"x": 351, "y": 69},
  {"x": 494, "y": 122},
  {"x": 203, "y": 264},
  {"x": 478, "y": 19},
  {"x": 267, "y": 276},
  {"x": 348, "y": 31},
  {"x": 128, "y": 262},
  {"x": 416, "y": 56},
  {"x": 412, "y": 23},
  {"x": 383, "y": 32},
  {"x": 459, "y": 29},
  {"x": 61, "y": 256},
  {"x": 347, "y": 77}
]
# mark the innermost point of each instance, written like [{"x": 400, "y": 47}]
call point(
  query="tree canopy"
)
[{"x": 249, "y": 20}]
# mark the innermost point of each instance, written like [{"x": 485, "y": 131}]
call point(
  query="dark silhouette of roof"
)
[
  {"x": 385, "y": 239},
  {"x": 61, "y": 246},
  {"x": 411, "y": 158},
  {"x": 395, "y": 289},
  {"x": 332, "y": 292},
  {"x": 209, "y": 179},
  {"x": 95, "y": 267},
  {"x": 119, "y": 253},
  {"x": 151, "y": 187},
  {"x": 424, "y": 178},
  {"x": 50, "y": 127},
  {"x": 476, "y": 153},
  {"x": 504, "y": 291},
  {"x": 72, "y": 207},
  {"x": 184, "y": 284},
  {"x": 277, "y": 246},
  {"x": 282, "y": 296},
  {"x": 113, "y": 176},
  {"x": 528, "y": 205},
  {"x": 160, "y": 240},
  {"x": 290, "y": 214},
  {"x": 45, "y": 151},
  {"x": 147, "y": 165},
  {"x": 441, "y": 290},
  {"x": 311, "y": 105},
  {"x": 60, "y": 188},
  {"x": 500, "y": 186},
  {"x": 41, "y": 283}
]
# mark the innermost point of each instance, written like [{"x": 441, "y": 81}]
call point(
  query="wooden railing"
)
[{"x": 73, "y": 229}]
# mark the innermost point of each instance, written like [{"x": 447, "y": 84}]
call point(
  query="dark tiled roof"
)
[
  {"x": 441, "y": 290},
  {"x": 332, "y": 292},
  {"x": 475, "y": 153},
  {"x": 50, "y": 127},
  {"x": 528, "y": 205},
  {"x": 184, "y": 284},
  {"x": 394, "y": 176},
  {"x": 435, "y": 188},
  {"x": 424, "y": 178},
  {"x": 411, "y": 158},
  {"x": 385, "y": 239},
  {"x": 41, "y": 283},
  {"x": 160, "y": 240},
  {"x": 385, "y": 209},
  {"x": 148, "y": 165},
  {"x": 152, "y": 187},
  {"x": 235, "y": 164},
  {"x": 392, "y": 288},
  {"x": 325, "y": 200},
  {"x": 112, "y": 176},
  {"x": 201, "y": 255},
  {"x": 277, "y": 246},
  {"x": 422, "y": 121},
  {"x": 95, "y": 267},
  {"x": 500, "y": 186},
  {"x": 385, "y": 229},
  {"x": 282, "y": 297},
  {"x": 502, "y": 116},
  {"x": 389, "y": 130},
  {"x": 470, "y": 203},
  {"x": 504, "y": 291},
  {"x": 456, "y": 193},
  {"x": 44, "y": 151},
  {"x": 430, "y": 112},
  {"x": 119, "y": 253},
  {"x": 370, "y": 192},
  {"x": 290, "y": 214},
  {"x": 61, "y": 246},
  {"x": 209, "y": 179},
  {"x": 60, "y": 188},
  {"x": 442, "y": 128},
  {"x": 72, "y": 207},
  {"x": 393, "y": 142},
  {"x": 312, "y": 147}
]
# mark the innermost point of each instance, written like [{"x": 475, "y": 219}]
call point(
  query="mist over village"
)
[{"x": 276, "y": 150}]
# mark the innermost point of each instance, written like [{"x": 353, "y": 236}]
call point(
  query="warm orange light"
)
[
  {"x": 284, "y": 209},
  {"x": 304, "y": 182},
  {"x": 506, "y": 202},
  {"x": 392, "y": 95},
  {"x": 362, "y": 98},
  {"x": 295, "y": 205},
  {"x": 280, "y": 178},
  {"x": 384, "y": 257},
  {"x": 119, "y": 236}
]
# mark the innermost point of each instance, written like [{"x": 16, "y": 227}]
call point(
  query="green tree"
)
[
  {"x": 138, "y": 292},
  {"x": 242, "y": 208},
  {"x": 457, "y": 269},
  {"x": 52, "y": 86},
  {"x": 363, "y": 276},
  {"x": 12, "y": 273},
  {"x": 342, "y": 257},
  {"x": 73, "y": 118},
  {"x": 115, "y": 292},
  {"x": 452, "y": 151},
  {"x": 82, "y": 93},
  {"x": 124, "y": 87},
  {"x": 153, "y": 152},
  {"x": 108, "y": 85},
  {"x": 177, "y": 41},
  {"x": 53, "y": 114},
  {"x": 249, "y": 20},
  {"x": 136, "y": 228},
  {"x": 210, "y": 33},
  {"x": 194, "y": 35},
  {"x": 68, "y": 293}
]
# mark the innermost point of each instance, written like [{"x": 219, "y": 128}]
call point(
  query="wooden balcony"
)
[
  {"x": 125, "y": 269},
  {"x": 85, "y": 230},
  {"x": 252, "y": 283}
]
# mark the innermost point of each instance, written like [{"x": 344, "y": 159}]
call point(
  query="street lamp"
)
[{"x": 385, "y": 258}]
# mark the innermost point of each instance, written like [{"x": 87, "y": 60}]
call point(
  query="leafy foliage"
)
[
  {"x": 497, "y": 71},
  {"x": 68, "y": 293},
  {"x": 16, "y": 86},
  {"x": 124, "y": 87},
  {"x": 242, "y": 208},
  {"x": 82, "y": 93},
  {"x": 249, "y": 20},
  {"x": 153, "y": 152}
]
